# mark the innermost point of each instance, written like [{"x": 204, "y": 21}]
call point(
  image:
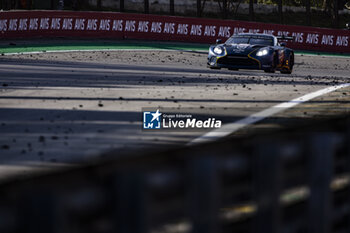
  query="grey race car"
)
[{"x": 252, "y": 51}]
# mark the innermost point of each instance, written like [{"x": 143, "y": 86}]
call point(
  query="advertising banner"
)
[{"x": 33, "y": 24}]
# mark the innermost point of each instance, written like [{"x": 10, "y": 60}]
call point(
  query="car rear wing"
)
[{"x": 284, "y": 38}]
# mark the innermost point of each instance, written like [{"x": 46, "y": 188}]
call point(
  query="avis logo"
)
[{"x": 151, "y": 120}]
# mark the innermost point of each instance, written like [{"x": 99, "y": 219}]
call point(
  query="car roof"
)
[
  {"x": 255, "y": 34},
  {"x": 275, "y": 41}
]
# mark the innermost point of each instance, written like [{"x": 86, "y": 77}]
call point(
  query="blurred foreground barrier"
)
[
  {"x": 33, "y": 24},
  {"x": 294, "y": 181}
]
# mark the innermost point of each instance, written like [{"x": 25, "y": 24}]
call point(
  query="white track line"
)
[
  {"x": 97, "y": 50},
  {"x": 230, "y": 128}
]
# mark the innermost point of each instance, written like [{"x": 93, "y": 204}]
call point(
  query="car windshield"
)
[{"x": 254, "y": 40}]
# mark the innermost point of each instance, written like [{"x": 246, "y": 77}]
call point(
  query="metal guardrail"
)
[{"x": 289, "y": 182}]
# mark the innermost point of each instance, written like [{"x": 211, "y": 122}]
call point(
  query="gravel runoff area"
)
[
  {"x": 61, "y": 108},
  {"x": 326, "y": 64}
]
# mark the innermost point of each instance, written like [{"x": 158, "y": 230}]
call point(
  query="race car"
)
[{"x": 252, "y": 51}]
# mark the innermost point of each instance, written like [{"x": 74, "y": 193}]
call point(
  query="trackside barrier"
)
[
  {"x": 32, "y": 24},
  {"x": 288, "y": 182}
]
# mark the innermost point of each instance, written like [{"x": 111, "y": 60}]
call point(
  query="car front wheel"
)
[{"x": 290, "y": 64}]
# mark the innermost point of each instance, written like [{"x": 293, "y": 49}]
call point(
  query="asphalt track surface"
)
[{"x": 60, "y": 109}]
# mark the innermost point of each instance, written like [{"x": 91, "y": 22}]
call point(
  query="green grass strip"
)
[
  {"x": 4, "y": 49},
  {"x": 68, "y": 46},
  {"x": 322, "y": 54}
]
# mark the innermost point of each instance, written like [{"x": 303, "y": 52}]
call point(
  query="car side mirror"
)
[
  {"x": 218, "y": 41},
  {"x": 283, "y": 44}
]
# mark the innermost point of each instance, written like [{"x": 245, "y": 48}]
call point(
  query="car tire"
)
[{"x": 291, "y": 64}]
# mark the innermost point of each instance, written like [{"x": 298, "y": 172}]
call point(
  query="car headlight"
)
[
  {"x": 218, "y": 50},
  {"x": 262, "y": 52}
]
